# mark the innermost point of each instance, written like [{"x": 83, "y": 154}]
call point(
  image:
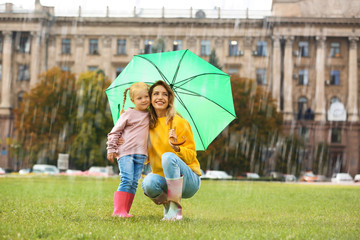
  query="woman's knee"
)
[
  {"x": 168, "y": 159},
  {"x": 151, "y": 185}
]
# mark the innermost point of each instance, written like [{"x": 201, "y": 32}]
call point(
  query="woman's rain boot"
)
[{"x": 174, "y": 194}]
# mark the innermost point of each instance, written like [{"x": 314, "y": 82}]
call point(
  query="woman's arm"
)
[{"x": 187, "y": 151}]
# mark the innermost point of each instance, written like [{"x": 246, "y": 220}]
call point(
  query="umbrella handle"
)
[{"x": 172, "y": 140}]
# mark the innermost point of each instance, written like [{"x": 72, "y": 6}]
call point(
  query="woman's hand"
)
[
  {"x": 111, "y": 157},
  {"x": 173, "y": 137}
]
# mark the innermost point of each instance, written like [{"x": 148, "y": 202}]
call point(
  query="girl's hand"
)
[
  {"x": 173, "y": 137},
  {"x": 111, "y": 157},
  {"x": 121, "y": 141}
]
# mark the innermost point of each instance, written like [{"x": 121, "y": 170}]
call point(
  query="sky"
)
[{"x": 63, "y": 5}]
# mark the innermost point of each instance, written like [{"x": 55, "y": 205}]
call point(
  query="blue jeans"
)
[
  {"x": 130, "y": 167},
  {"x": 153, "y": 185}
]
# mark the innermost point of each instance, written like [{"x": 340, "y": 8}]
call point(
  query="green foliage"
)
[
  {"x": 64, "y": 115},
  {"x": 159, "y": 46},
  {"x": 92, "y": 121},
  {"x": 41, "y": 121},
  {"x": 81, "y": 207},
  {"x": 213, "y": 59},
  {"x": 244, "y": 145}
]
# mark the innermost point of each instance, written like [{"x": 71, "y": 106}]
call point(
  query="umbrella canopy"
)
[{"x": 202, "y": 92}]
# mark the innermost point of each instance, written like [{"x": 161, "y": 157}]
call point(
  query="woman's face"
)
[{"x": 160, "y": 100}]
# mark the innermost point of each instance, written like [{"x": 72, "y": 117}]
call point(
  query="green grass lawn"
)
[{"x": 80, "y": 208}]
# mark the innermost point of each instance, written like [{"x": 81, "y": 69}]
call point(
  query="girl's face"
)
[
  {"x": 141, "y": 100},
  {"x": 160, "y": 100}
]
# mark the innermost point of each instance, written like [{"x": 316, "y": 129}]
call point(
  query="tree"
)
[
  {"x": 213, "y": 59},
  {"x": 246, "y": 144},
  {"x": 92, "y": 121},
  {"x": 159, "y": 46},
  {"x": 41, "y": 120}
]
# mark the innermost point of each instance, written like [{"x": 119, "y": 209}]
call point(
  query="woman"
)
[{"x": 175, "y": 169}]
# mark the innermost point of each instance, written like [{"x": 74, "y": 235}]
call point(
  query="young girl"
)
[{"x": 133, "y": 127}]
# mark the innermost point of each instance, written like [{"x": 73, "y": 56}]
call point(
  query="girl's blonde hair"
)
[
  {"x": 170, "y": 111},
  {"x": 133, "y": 89}
]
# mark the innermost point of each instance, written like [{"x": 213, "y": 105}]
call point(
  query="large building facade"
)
[{"x": 306, "y": 52}]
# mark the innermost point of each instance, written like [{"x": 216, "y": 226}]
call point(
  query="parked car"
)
[
  {"x": 249, "y": 175},
  {"x": 72, "y": 172},
  {"x": 308, "y": 177},
  {"x": 321, "y": 178},
  {"x": 2, "y": 171},
  {"x": 357, "y": 178},
  {"x": 45, "y": 169},
  {"x": 276, "y": 176},
  {"x": 24, "y": 171},
  {"x": 215, "y": 174},
  {"x": 341, "y": 177},
  {"x": 99, "y": 171},
  {"x": 289, "y": 178}
]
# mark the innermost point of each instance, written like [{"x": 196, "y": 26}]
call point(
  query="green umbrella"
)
[{"x": 202, "y": 92}]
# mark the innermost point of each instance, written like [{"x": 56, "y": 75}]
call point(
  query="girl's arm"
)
[{"x": 116, "y": 132}]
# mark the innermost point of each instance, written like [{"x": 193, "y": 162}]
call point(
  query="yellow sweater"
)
[{"x": 159, "y": 144}]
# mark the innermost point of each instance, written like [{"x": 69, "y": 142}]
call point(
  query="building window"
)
[
  {"x": 148, "y": 46},
  {"x": 261, "y": 48},
  {"x": 119, "y": 70},
  {"x": 303, "y": 49},
  {"x": 205, "y": 48},
  {"x": 66, "y": 46},
  {"x": 304, "y": 133},
  {"x": 121, "y": 46},
  {"x": 335, "y": 135},
  {"x": 334, "y": 77},
  {"x": 233, "y": 48},
  {"x": 302, "y": 108},
  {"x": 177, "y": 45},
  {"x": 261, "y": 76},
  {"x": 65, "y": 68},
  {"x": 92, "y": 68},
  {"x": 233, "y": 71},
  {"x": 23, "y": 73},
  {"x": 93, "y": 46},
  {"x": 303, "y": 77},
  {"x": 23, "y": 45},
  {"x": 335, "y": 49}
]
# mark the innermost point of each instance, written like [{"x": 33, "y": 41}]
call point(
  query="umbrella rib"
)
[
  {"x": 162, "y": 75},
  {"x": 182, "y": 82},
  {"x": 178, "y": 66},
  {"x": 187, "y": 110},
  {"x": 120, "y": 85},
  {"x": 187, "y": 92}
]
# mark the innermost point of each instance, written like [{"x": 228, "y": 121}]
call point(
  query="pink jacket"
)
[{"x": 133, "y": 127}]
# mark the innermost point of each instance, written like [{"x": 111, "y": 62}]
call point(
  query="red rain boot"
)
[
  {"x": 121, "y": 202},
  {"x": 129, "y": 204}
]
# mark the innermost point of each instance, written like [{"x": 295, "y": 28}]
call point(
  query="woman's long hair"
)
[{"x": 170, "y": 111}]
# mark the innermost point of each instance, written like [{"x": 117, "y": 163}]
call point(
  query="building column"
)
[
  {"x": 51, "y": 58},
  {"x": 79, "y": 65},
  {"x": 35, "y": 58},
  {"x": 6, "y": 73},
  {"x": 276, "y": 70},
  {"x": 320, "y": 111},
  {"x": 288, "y": 72},
  {"x": 248, "y": 58},
  {"x": 352, "y": 106},
  {"x": 106, "y": 53}
]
